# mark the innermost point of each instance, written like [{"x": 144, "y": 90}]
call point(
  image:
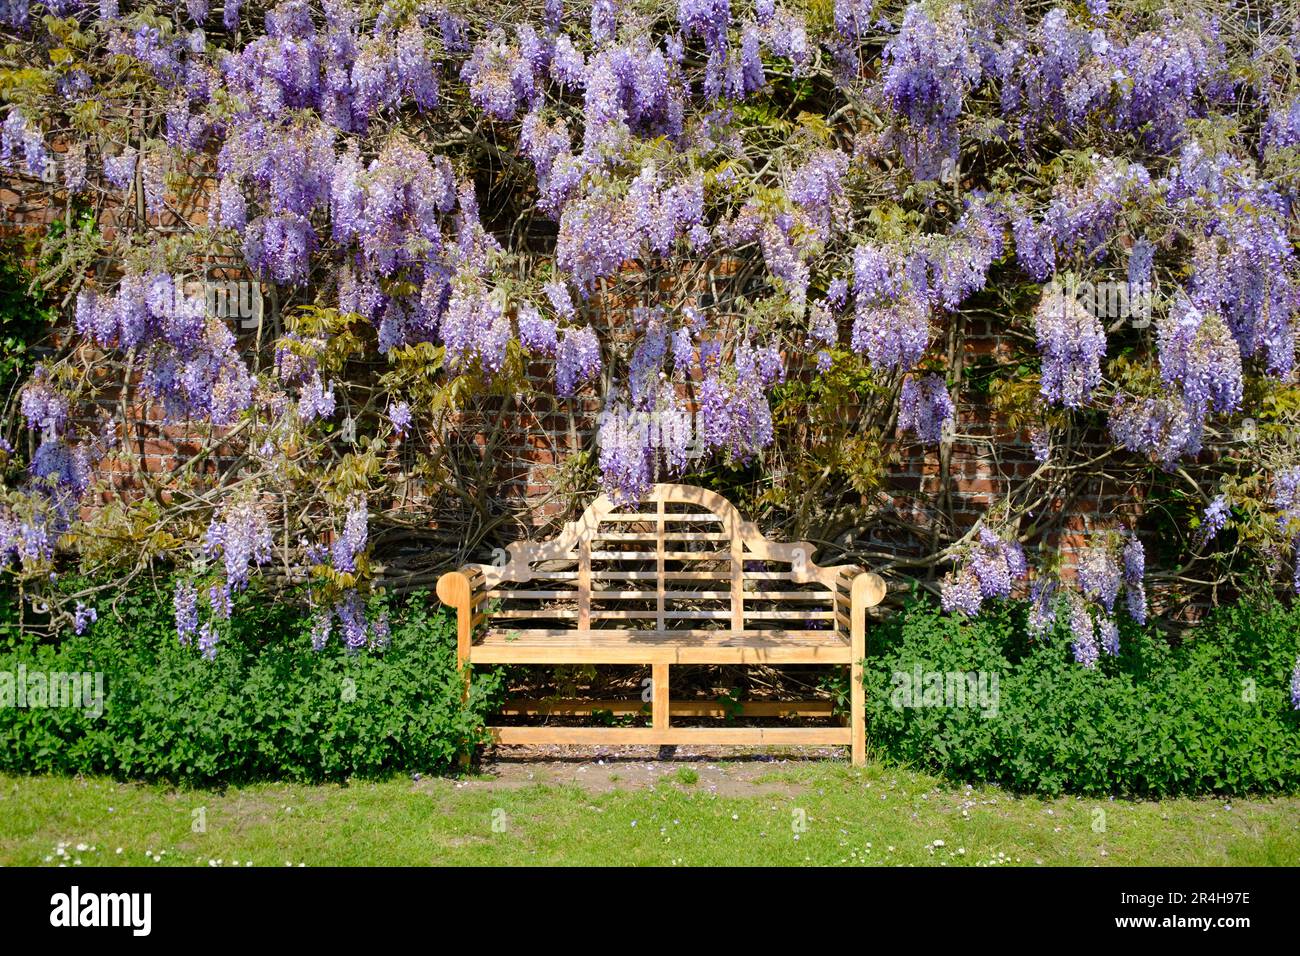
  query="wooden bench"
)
[{"x": 678, "y": 578}]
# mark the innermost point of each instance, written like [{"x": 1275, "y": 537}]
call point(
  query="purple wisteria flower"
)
[
  {"x": 208, "y": 640},
  {"x": 989, "y": 567},
  {"x": 1286, "y": 498},
  {"x": 1214, "y": 518},
  {"x": 399, "y": 414},
  {"x": 577, "y": 359},
  {"x": 42, "y": 405},
  {"x": 929, "y": 66},
  {"x": 1109, "y": 634},
  {"x": 1140, "y": 261},
  {"x": 192, "y": 365},
  {"x": 1135, "y": 595},
  {"x": 241, "y": 536},
  {"x": 1161, "y": 428},
  {"x": 1042, "y": 606},
  {"x": 925, "y": 407},
  {"x": 120, "y": 170},
  {"x": 557, "y": 293},
  {"x": 1083, "y": 632},
  {"x": 1072, "y": 343},
  {"x": 536, "y": 332},
  {"x": 186, "y": 605},
  {"x": 1099, "y": 576},
  {"x": 352, "y": 619},
  {"x": 1199, "y": 355},
  {"x": 1040, "y": 440},
  {"x": 316, "y": 400},
  {"x": 352, "y": 540},
  {"x": 74, "y": 169},
  {"x": 321, "y": 627},
  {"x": 83, "y": 617},
  {"x": 960, "y": 591},
  {"x": 221, "y": 600},
  {"x": 18, "y": 136},
  {"x": 734, "y": 415}
]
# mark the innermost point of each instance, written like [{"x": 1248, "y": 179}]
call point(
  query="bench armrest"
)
[
  {"x": 462, "y": 590},
  {"x": 865, "y": 589}
]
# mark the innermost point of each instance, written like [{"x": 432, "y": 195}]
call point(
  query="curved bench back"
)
[{"x": 682, "y": 559}]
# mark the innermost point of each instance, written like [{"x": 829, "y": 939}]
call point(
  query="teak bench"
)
[{"x": 679, "y": 578}]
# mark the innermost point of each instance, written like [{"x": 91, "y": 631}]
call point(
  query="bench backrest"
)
[{"x": 681, "y": 559}]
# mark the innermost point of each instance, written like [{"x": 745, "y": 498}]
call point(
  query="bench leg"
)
[
  {"x": 858, "y": 647},
  {"x": 857, "y": 714},
  {"x": 467, "y": 755},
  {"x": 659, "y": 702}
]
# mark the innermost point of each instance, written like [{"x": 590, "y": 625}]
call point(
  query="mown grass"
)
[{"x": 825, "y": 814}]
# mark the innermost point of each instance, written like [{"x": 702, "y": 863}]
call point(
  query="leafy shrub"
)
[
  {"x": 1210, "y": 715},
  {"x": 268, "y": 706}
]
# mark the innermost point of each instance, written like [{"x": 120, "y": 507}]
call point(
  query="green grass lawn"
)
[{"x": 815, "y": 813}]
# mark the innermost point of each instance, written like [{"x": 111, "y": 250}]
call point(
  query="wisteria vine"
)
[{"x": 685, "y": 213}]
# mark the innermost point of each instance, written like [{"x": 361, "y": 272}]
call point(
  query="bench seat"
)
[{"x": 619, "y": 646}]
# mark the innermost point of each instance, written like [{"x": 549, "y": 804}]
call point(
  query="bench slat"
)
[
  {"x": 651, "y": 517},
  {"x": 614, "y": 636},
  {"x": 668, "y": 536},
  {"x": 682, "y": 736},
  {"x": 668, "y": 593},
  {"x": 778, "y": 652},
  {"x": 650, "y": 555}
]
